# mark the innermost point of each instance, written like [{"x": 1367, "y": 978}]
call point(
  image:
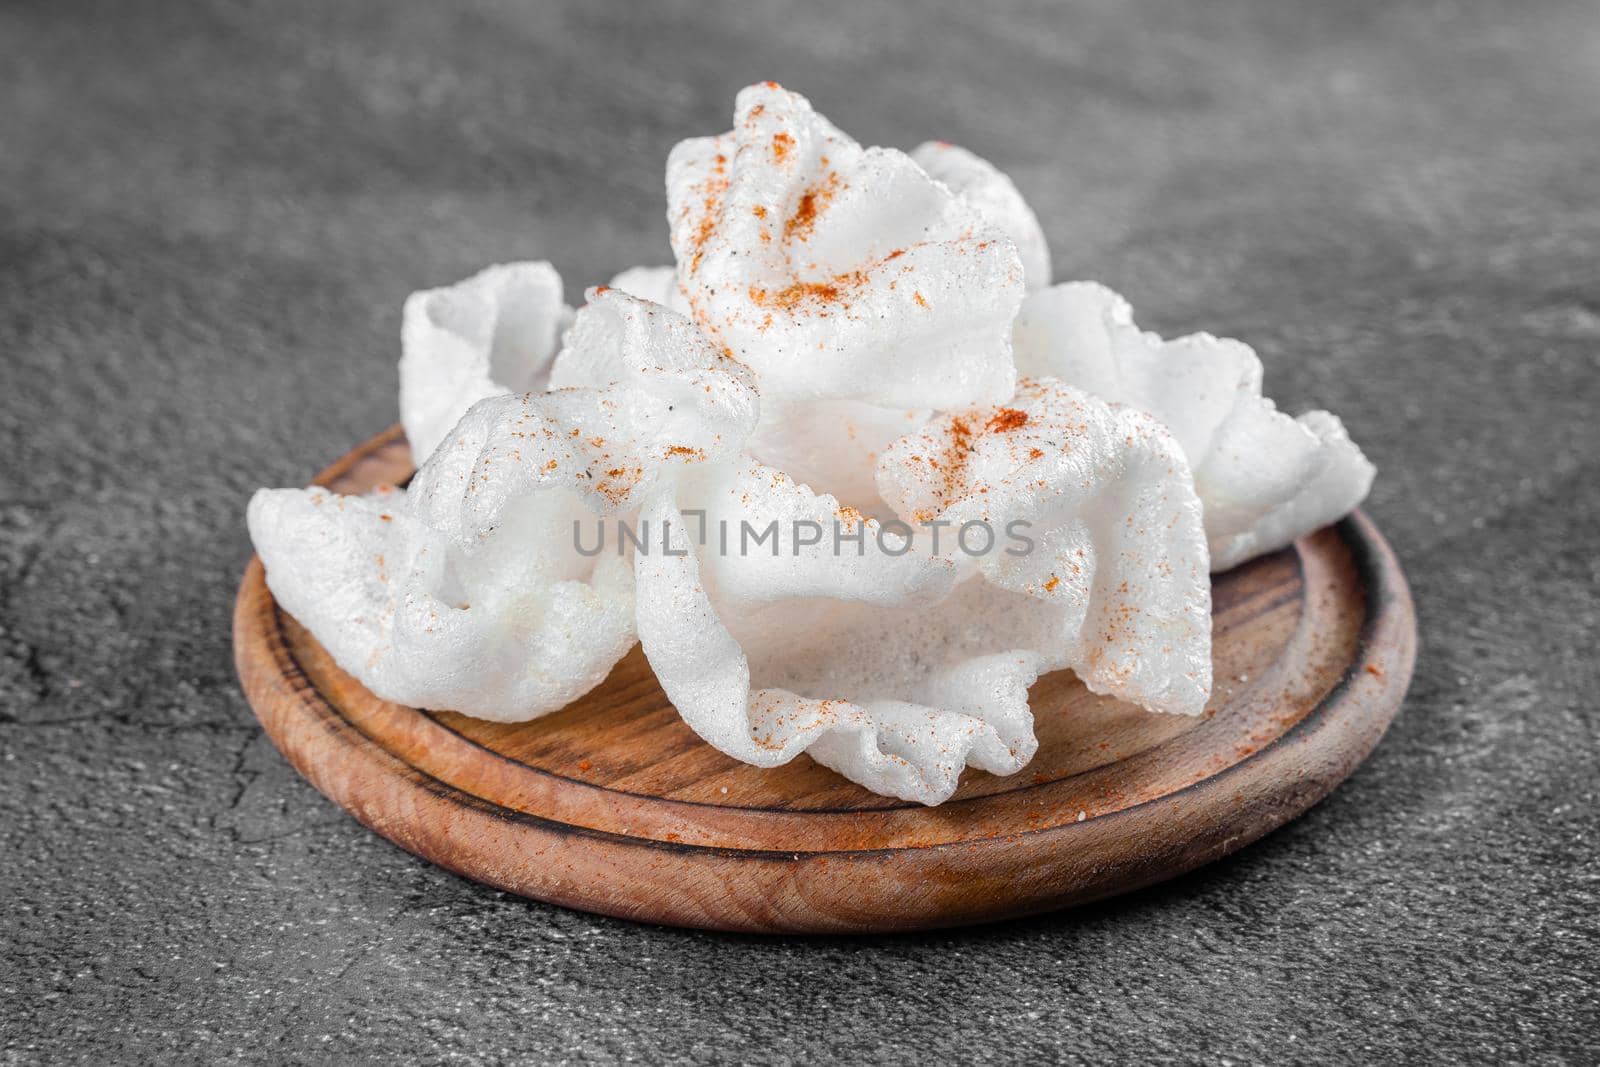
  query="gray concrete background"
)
[{"x": 209, "y": 216}]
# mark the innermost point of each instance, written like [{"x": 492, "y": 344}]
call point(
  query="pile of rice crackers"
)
[{"x": 853, "y": 472}]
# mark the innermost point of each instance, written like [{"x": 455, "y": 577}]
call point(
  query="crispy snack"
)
[
  {"x": 839, "y": 272},
  {"x": 493, "y": 333},
  {"x": 900, "y": 669},
  {"x": 872, "y": 562},
  {"x": 868, "y": 662},
  {"x": 469, "y": 591},
  {"x": 1264, "y": 478},
  {"x": 1118, "y": 556}
]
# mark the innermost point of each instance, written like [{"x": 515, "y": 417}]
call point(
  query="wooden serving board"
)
[{"x": 613, "y": 805}]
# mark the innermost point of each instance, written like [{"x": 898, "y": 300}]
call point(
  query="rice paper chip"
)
[
  {"x": 419, "y": 622},
  {"x": 1263, "y": 477},
  {"x": 1116, "y": 573},
  {"x": 477, "y": 589},
  {"x": 873, "y": 662},
  {"x": 670, "y": 379},
  {"x": 994, "y": 196},
  {"x": 834, "y": 445},
  {"x": 838, "y": 272},
  {"x": 494, "y": 333}
]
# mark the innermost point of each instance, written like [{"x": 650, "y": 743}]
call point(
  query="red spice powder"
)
[
  {"x": 1007, "y": 419},
  {"x": 708, "y": 226},
  {"x": 812, "y": 201},
  {"x": 793, "y": 295},
  {"x": 804, "y": 218},
  {"x": 954, "y": 467}
]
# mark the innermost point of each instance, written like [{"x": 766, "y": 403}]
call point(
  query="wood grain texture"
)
[{"x": 613, "y": 805}]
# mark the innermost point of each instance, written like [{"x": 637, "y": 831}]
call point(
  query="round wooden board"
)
[{"x": 613, "y": 805}]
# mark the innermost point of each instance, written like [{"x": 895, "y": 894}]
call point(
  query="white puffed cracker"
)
[
  {"x": 1263, "y": 477},
  {"x": 839, "y": 272},
  {"x": 869, "y": 662},
  {"x": 473, "y": 589},
  {"x": 900, "y": 670},
  {"x": 492, "y": 333},
  {"x": 1118, "y": 552}
]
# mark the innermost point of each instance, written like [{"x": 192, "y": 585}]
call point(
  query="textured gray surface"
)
[{"x": 209, "y": 215}]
